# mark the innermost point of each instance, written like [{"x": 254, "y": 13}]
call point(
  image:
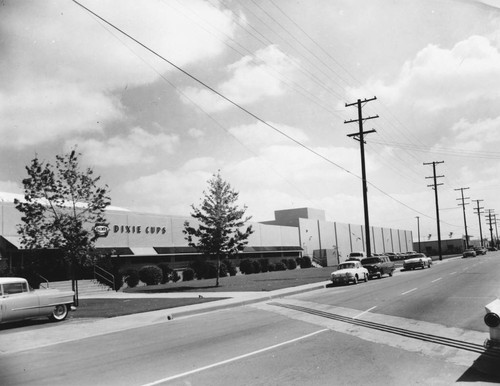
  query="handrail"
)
[
  {"x": 105, "y": 276},
  {"x": 43, "y": 278}
]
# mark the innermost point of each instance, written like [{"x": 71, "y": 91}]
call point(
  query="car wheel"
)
[
  {"x": 390, "y": 273},
  {"x": 379, "y": 275},
  {"x": 366, "y": 277},
  {"x": 60, "y": 313},
  {"x": 355, "y": 280}
]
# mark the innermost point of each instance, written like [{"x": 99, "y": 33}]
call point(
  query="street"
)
[{"x": 417, "y": 327}]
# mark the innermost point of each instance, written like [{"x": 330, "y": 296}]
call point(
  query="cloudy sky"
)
[{"x": 142, "y": 111}]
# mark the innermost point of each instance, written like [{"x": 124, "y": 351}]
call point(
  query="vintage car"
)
[
  {"x": 378, "y": 266},
  {"x": 356, "y": 256},
  {"x": 349, "y": 271},
  {"x": 18, "y": 301},
  {"x": 416, "y": 260},
  {"x": 480, "y": 250},
  {"x": 469, "y": 253}
]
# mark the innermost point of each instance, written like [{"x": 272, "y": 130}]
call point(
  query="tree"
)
[
  {"x": 61, "y": 206},
  {"x": 219, "y": 222}
]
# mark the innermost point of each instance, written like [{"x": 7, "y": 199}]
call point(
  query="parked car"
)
[
  {"x": 378, "y": 266},
  {"x": 18, "y": 301},
  {"x": 469, "y": 253},
  {"x": 480, "y": 250},
  {"x": 349, "y": 271},
  {"x": 392, "y": 256},
  {"x": 416, "y": 260},
  {"x": 492, "y": 249},
  {"x": 356, "y": 256}
]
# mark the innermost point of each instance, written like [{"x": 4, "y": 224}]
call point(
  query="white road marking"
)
[
  {"x": 233, "y": 359},
  {"x": 364, "y": 312},
  {"x": 407, "y": 292},
  {"x": 452, "y": 273},
  {"x": 435, "y": 280}
]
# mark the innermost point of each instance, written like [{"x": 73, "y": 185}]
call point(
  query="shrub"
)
[
  {"x": 166, "y": 271},
  {"x": 188, "y": 274},
  {"x": 306, "y": 262},
  {"x": 256, "y": 266},
  {"x": 175, "y": 276},
  {"x": 222, "y": 269},
  {"x": 246, "y": 267},
  {"x": 230, "y": 268},
  {"x": 271, "y": 267},
  {"x": 131, "y": 277},
  {"x": 291, "y": 264},
  {"x": 150, "y": 275},
  {"x": 298, "y": 260},
  {"x": 264, "y": 265},
  {"x": 280, "y": 267}
]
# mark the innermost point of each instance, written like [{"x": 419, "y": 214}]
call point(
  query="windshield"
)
[
  {"x": 412, "y": 256},
  {"x": 371, "y": 260},
  {"x": 346, "y": 265}
]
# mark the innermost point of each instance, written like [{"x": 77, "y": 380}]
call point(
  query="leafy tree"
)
[
  {"x": 61, "y": 205},
  {"x": 218, "y": 233}
]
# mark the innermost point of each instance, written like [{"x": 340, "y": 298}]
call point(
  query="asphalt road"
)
[{"x": 380, "y": 332}]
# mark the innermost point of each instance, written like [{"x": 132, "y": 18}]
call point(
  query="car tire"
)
[
  {"x": 355, "y": 280},
  {"x": 366, "y": 277},
  {"x": 390, "y": 273},
  {"x": 59, "y": 313}
]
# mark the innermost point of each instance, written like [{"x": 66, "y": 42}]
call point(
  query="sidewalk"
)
[{"x": 15, "y": 341}]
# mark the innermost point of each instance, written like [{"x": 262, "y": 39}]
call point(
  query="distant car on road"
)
[
  {"x": 378, "y": 266},
  {"x": 18, "y": 301},
  {"x": 349, "y": 271},
  {"x": 480, "y": 250},
  {"x": 469, "y": 253},
  {"x": 416, "y": 260},
  {"x": 356, "y": 256}
]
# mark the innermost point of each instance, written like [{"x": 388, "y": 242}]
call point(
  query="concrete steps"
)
[{"x": 85, "y": 287}]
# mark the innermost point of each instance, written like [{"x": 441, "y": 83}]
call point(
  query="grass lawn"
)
[{"x": 269, "y": 281}]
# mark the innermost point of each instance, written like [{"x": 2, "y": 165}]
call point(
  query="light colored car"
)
[
  {"x": 416, "y": 260},
  {"x": 349, "y": 271},
  {"x": 18, "y": 301},
  {"x": 356, "y": 256},
  {"x": 469, "y": 253}
]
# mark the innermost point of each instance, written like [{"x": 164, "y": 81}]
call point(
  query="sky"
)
[{"x": 256, "y": 90}]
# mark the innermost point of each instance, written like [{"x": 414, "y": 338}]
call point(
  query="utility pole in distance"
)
[
  {"x": 490, "y": 221},
  {"x": 434, "y": 186},
  {"x": 359, "y": 136},
  {"x": 465, "y": 220},
  {"x": 418, "y": 231},
  {"x": 479, "y": 217}
]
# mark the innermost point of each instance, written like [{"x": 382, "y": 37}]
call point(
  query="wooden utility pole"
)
[
  {"x": 359, "y": 136},
  {"x": 418, "y": 232},
  {"x": 479, "y": 217},
  {"x": 465, "y": 219},
  {"x": 434, "y": 186}
]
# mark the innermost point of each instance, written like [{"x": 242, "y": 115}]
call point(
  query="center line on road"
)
[
  {"x": 435, "y": 280},
  {"x": 364, "y": 312},
  {"x": 407, "y": 292},
  {"x": 167, "y": 379}
]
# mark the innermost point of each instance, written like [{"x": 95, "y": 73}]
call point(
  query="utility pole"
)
[
  {"x": 479, "y": 218},
  {"x": 496, "y": 229},
  {"x": 465, "y": 219},
  {"x": 418, "y": 232},
  {"x": 434, "y": 186},
  {"x": 490, "y": 221},
  {"x": 359, "y": 136}
]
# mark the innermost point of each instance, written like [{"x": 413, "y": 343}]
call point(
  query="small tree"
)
[
  {"x": 219, "y": 222},
  {"x": 61, "y": 206}
]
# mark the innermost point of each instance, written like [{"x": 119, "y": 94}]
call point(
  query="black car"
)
[{"x": 378, "y": 266}]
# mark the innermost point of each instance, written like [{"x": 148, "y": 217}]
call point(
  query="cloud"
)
[
  {"x": 251, "y": 78},
  {"x": 259, "y": 134},
  {"x": 138, "y": 147},
  {"x": 440, "y": 78},
  {"x": 68, "y": 64}
]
